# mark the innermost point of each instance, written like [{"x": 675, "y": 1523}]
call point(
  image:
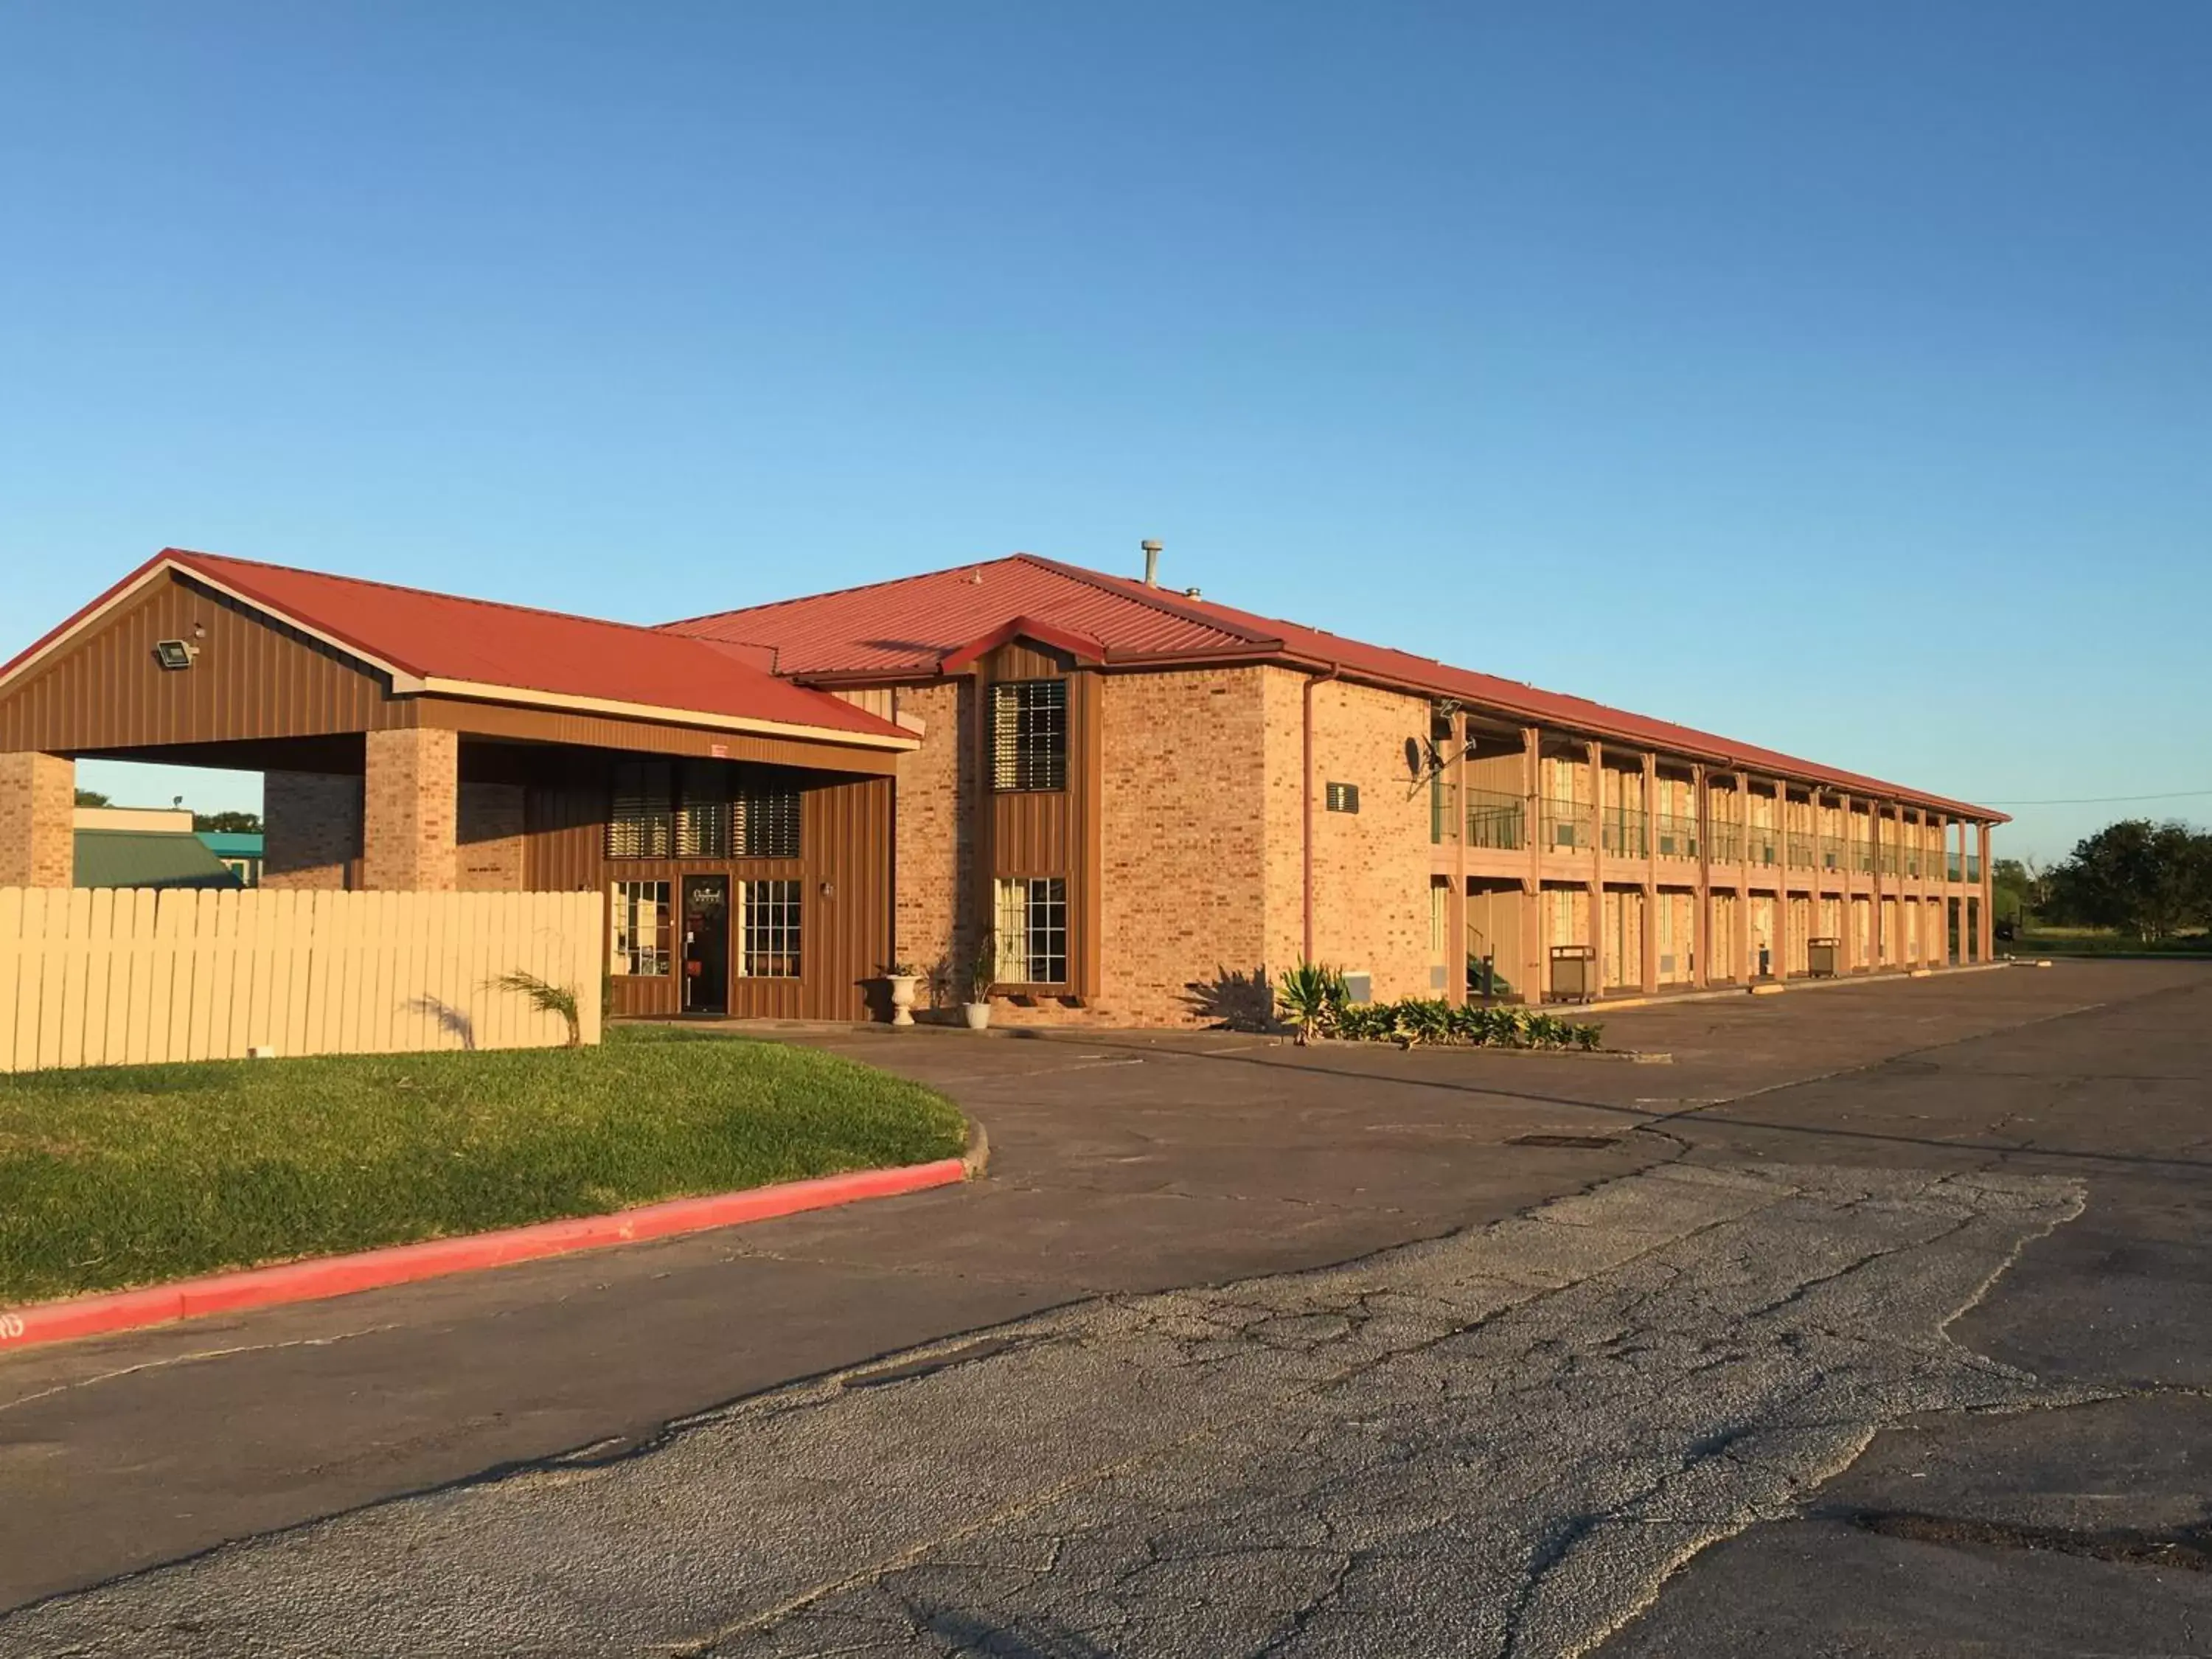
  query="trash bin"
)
[{"x": 1574, "y": 973}]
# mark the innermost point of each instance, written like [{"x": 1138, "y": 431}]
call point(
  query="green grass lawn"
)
[{"x": 133, "y": 1175}]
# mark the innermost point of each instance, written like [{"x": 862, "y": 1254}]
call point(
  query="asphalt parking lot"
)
[{"x": 1126, "y": 1164}]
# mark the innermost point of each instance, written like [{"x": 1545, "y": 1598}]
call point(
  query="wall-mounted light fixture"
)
[{"x": 172, "y": 653}]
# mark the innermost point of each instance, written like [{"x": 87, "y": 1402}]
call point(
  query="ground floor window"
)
[
  {"x": 768, "y": 946},
  {"x": 640, "y": 945},
  {"x": 1032, "y": 919}
]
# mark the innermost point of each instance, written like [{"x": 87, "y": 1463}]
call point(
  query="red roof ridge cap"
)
[
  {"x": 185, "y": 556},
  {"x": 676, "y": 623},
  {"x": 1175, "y": 604}
]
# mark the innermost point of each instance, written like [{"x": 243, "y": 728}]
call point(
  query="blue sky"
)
[{"x": 1837, "y": 377}]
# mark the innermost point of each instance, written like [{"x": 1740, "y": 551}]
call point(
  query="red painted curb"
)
[{"x": 399, "y": 1264}]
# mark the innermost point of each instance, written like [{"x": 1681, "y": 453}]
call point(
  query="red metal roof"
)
[
  {"x": 907, "y": 627},
  {"x": 442, "y": 636}
]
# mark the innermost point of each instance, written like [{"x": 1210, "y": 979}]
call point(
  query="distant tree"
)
[
  {"x": 2021, "y": 887},
  {"x": 230, "y": 824},
  {"x": 92, "y": 798},
  {"x": 2144, "y": 878}
]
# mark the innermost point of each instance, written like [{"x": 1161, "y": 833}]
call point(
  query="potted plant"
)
[
  {"x": 901, "y": 977},
  {"x": 982, "y": 974}
]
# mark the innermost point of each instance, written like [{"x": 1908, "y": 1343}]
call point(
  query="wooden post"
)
[
  {"x": 1650, "y": 930},
  {"x": 1534, "y": 963},
  {"x": 1456, "y": 940}
]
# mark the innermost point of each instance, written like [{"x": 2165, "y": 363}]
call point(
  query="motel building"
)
[{"x": 1140, "y": 805}]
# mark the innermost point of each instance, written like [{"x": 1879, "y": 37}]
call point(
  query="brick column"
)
[
  {"x": 409, "y": 811},
  {"x": 38, "y": 820}
]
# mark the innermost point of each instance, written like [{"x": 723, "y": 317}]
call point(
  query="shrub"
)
[
  {"x": 1431, "y": 1020},
  {"x": 1313, "y": 998}
]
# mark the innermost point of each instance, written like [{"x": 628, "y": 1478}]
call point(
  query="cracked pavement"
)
[
  {"x": 1493, "y": 1444},
  {"x": 1875, "y": 1325}
]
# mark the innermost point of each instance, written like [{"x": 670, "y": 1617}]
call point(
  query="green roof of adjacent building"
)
[
  {"x": 147, "y": 858},
  {"x": 231, "y": 843}
]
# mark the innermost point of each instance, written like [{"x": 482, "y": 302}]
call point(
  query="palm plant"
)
[
  {"x": 547, "y": 998},
  {"x": 1310, "y": 996}
]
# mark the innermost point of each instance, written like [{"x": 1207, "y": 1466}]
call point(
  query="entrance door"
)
[{"x": 706, "y": 944}]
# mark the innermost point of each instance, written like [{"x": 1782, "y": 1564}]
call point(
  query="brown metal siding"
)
[
  {"x": 493, "y": 720},
  {"x": 1047, "y": 832},
  {"x": 845, "y": 845},
  {"x": 845, "y": 840},
  {"x": 251, "y": 678}
]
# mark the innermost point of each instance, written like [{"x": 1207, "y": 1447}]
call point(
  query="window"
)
[
  {"x": 768, "y": 947},
  {"x": 1032, "y": 913},
  {"x": 702, "y": 812},
  {"x": 640, "y": 944},
  {"x": 767, "y": 824},
  {"x": 640, "y": 824},
  {"x": 707, "y": 810},
  {"x": 1029, "y": 735}
]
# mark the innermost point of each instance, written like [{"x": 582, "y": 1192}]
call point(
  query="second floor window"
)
[{"x": 1029, "y": 734}]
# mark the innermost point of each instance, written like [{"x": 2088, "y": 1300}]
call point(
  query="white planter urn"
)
[
  {"x": 902, "y": 997},
  {"x": 978, "y": 1015}
]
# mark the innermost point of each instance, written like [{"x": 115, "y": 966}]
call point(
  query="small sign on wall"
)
[{"x": 1343, "y": 797}]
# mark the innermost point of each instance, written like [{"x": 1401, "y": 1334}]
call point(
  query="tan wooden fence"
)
[{"x": 92, "y": 976}]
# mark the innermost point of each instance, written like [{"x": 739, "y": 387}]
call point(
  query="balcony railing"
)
[
  {"x": 1624, "y": 834},
  {"x": 1675, "y": 836},
  {"x": 1497, "y": 821},
  {"x": 1763, "y": 846},
  {"x": 1951, "y": 866},
  {"x": 1973, "y": 866},
  {"x": 1832, "y": 852},
  {"x": 1862, "y": 858},
  {"x": 1802, "y": 850},
  {"x": 1726, "y": 842},
  {"x": 1566, "y": 826},
  {"x": 1444, "y": 814}
]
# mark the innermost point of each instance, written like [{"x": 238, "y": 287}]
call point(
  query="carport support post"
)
[
  {"x": 409, "y": 809},
  {"x": 37, "y": 819}
]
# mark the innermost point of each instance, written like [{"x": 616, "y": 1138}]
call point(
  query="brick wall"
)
[
  {"x": 409, "y": 811},
  {"x": 311, "y": 822},
  {"x": 489, "y": 854},
  {"x": 38, "y": 801},
  {"x": 1202, "y": 839},
  {"x": 934, "y": 835},
  {"x": 1184, "y": 845},
  {"x": 1370, "y": 867}
]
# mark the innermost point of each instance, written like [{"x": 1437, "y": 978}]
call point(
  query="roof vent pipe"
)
[{"x": 1152, "y": 563}]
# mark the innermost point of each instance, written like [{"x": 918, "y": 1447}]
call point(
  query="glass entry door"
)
[{"x": 706, "y": 944}]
